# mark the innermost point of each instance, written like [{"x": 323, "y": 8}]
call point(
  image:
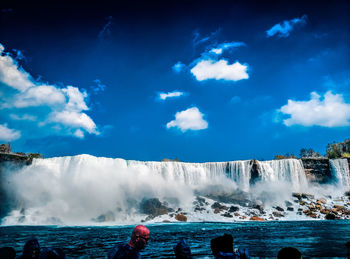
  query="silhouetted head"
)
[
  {"x": 31, "y": 249},
  {"x": 182, "y": 250},
  {"x": 222, "y": 244},
  {"x": 347, "y": 245},
  {"x": 7, "y": 253},
  {"x": 139, "y": 237},
  {"x": 289, "y": 253}
]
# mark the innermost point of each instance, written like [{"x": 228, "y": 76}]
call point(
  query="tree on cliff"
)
[
  {"x": 333, "y": 151},
  {"x": 309, "y": 152}
]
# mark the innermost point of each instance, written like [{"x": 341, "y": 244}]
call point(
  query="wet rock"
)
[
  {"x": 290, "y": 209},
  {"x": 199, "y": 209},
  {"x": 178, "y": 210},
  {"x": 216, "y": 210},
  {"x": 236, "y": 214},
  {"x": 166, "y": 221},
  {"x": 233, "y": 209},
  {"x": 236, "y": 197},
  {"x": 201, "y": 201},
  {"x": 255, "y": 218},
  {"x": 330, "y": 216},
  {"x": 297, "y": 195},
  {"x": 318, "y": 206},
  {"x": 181, "y": 217},
  {"x": 277, "y": 214},
  {"x": 288, "y": 203},
  {"x": 227, "y": 215},
  {"x": 218, "y": 205},
  {"x": 107, "y": 217},
  {"x": 302, "y": 203},
  {"x": 243, "y": 217},
  {"x": 313, "y": 215},
  {"x": 153, "y": 207},
  {"x": 325, "y": 211},
  {"x": 300, "y": 209},
  {"x": 321, "y": 201},
  {"x": 307, "y": 196},
  {"x": 339, "y": 207},
  {"x": 279, "y": 208}
]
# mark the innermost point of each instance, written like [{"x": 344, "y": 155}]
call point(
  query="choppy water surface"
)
[{"x": 264, "y": 239}]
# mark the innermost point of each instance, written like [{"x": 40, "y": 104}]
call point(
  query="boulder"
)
[
  {"x": 227, "y": 215},
  {"x": 236, "y": 214},
  {"x": 330, "y": 216},
  {"x": 255, "y": 218},
  {"x": 216, "y": 210},
  {"x": 321, "y": 201},
  {"x": 218, "y": 205},
  {"x": 277, "y": 214},
  {"x": 106, "y": 217},
  {"x": 153, "y": 207},
  {"x": 290, "y": 209},
  {"x": 233, "y": 209},
  {"x": 279, "y": 208},
  {"x": 288, "y": 203},
  {"x": 181, "y": 217}
]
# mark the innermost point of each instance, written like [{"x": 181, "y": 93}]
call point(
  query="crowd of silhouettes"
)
[{"x": 221, "y": 247}]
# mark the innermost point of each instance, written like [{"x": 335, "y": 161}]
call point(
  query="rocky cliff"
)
[{"x": 317, "y": 169}]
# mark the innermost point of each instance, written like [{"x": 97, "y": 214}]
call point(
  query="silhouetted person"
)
[
  {"x": 138, "y": 241},
  {"x": 182, "y": 250},
  {"x": 347, "y": 245},
  {"x": 7, "y": 253},
  {"x": 52, "y": 253},
  {"x": 289, "y": 253},
  {"x": 222, "y": 247},
  {"x": 31, "y": 249}
]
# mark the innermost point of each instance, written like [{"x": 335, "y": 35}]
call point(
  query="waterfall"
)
[
  {"x": 340, "y": 171},
  {"x": 284, "y": 170},
  {"x": 76, "y": 190}
]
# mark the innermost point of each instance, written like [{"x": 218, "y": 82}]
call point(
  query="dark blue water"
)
[{"x": 264, "y": 239}]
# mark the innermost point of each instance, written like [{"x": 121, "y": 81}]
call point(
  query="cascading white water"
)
[
  {"x": 284, "y": 170},
  {"x": 75, "y": 190},
  {"x": 340, "y": 171}
]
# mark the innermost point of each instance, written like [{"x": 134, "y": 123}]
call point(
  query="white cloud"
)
[
  {"x": 59, "y": 110},
  {"x": 24, "y": 117},
  {"x": 178, "y": 67},
  {"x": 38, "y": 96},
  {"x": 329, "y": 111},
  {"x": 7, "y": 134},
  {"x": 164, "y": 96},
  {"x": 224, "y": 46},
  {"x": 211, "y": 69},
  {"x": 283, "y": 29},
  {"x": 11, "y": 75},
  {"x": 190, "y": 119},
  {"x": 76, "y": 120}
]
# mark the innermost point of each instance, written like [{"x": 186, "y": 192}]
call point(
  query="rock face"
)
[
  {"x": 153, "y": 207},
  {"x": 13, "y": 161},
  {"x": 317, "y": 169},
  {"x": 181, "y": 217}
]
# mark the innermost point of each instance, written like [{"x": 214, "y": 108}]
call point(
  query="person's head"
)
[
  {"x": 289, "y": 253},
  {"x": 31, "y": 248},
  {"x": 182, "y": 250},
  {"x": 139, "y": 237},
  {"x": 347, "y": 245},
  {"x": 7, "y": 253},
  {"x": 222, "y": 244}
]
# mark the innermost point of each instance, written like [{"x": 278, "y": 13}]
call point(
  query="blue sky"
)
[{"x": 193, "y": 80}]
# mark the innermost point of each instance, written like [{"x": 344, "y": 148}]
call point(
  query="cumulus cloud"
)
[
  {"x": 172, "y": 94},
  {"x": 331, "y": 110},
  {"x": 283, "y": 29},
  {"x": 178, "y": 67},
  {"x": 11, "y": 74},
  {"x": 60, "y": 109},
  {"x": 218, "y": 50},
  {"x": 7, "y": 134},
  {"x": 190, "y": 119},
  {"x": 39, "y": 95},
  {"x": 212, "y": 69}
]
